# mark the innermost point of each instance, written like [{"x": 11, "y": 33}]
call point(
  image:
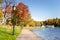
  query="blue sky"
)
[{"x": 42, "y": 9}]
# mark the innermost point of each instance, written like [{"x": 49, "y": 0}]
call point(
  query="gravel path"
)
[{"x": 28, "y": 35}]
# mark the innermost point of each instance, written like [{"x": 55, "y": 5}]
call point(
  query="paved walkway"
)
[{"x": 28, "y": 35}]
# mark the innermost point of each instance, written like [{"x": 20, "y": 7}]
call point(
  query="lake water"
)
[{"x": 49, "y": 33}]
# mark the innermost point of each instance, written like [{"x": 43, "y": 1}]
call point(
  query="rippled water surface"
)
[{"x": 49, "y": 33}]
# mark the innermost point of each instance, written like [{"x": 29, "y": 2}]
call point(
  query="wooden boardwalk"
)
[{"x": 28, "y": 35}]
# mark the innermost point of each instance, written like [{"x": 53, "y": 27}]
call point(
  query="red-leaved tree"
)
[
  {"x": 9, "y": 9},
  {"x": 22, "y": 13}
]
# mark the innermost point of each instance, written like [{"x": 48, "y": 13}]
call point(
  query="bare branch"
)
[{"x": 9, "y": 2}]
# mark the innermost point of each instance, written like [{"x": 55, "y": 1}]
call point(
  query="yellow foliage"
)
[
  {"x": 31, "y": 23},
  {"x": 38, "y": 23},
  {"x": 1, "y": 1},
  {"x": 1, "y": 13}
]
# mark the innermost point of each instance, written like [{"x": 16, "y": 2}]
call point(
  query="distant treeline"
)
[{"x": 55, "y": 22}]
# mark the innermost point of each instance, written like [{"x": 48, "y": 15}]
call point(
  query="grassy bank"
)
[{"x": 6, "y": 33}]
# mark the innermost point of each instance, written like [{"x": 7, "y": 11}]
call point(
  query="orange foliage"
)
[{"x": 23, "y": 11}]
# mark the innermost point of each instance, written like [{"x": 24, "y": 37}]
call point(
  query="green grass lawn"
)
[{"x": 6, "y": 33}]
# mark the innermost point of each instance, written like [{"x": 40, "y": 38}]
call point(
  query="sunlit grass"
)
[{"x": 6, "y": 33}]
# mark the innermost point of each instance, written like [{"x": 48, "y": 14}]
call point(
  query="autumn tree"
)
[
  {"x": 30, "y": 23},
  {"x": 7, "y": 7},
  {"x": 38, "y": 23},
  {"x": 7, "y": 3},
  {"x": 8, "y": 14},
  {"x": 1, "y": 13},
  {"x": 1, "y": 1},
  {"x": 49, "y": 22},
  {"x": 57, "y": 22},
  {"x": 22, "y": 13}
]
